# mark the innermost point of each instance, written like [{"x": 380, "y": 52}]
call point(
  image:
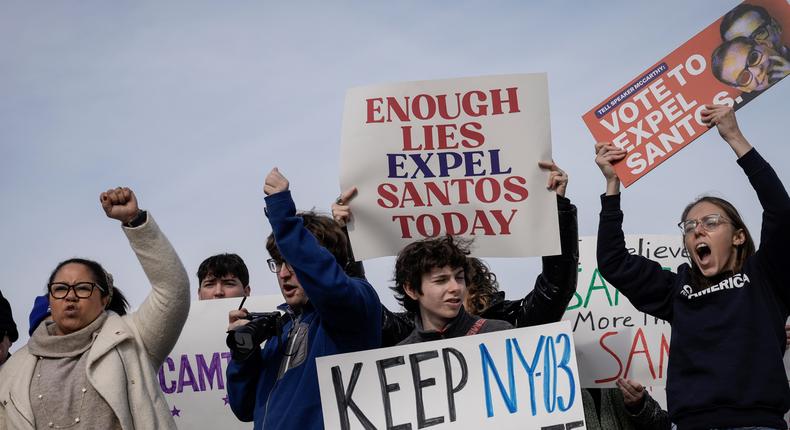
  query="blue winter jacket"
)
[{"x": 343, "y": 315}]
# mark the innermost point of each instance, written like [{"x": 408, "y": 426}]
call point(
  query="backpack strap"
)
[{"x": 476, "y": 327}]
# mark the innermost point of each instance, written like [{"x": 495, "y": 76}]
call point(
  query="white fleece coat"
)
[{"x": 124, "y": 358}]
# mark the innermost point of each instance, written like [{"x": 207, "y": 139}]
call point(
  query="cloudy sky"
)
[{"x": 191, "y": 103}]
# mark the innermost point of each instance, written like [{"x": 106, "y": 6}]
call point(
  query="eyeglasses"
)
[
  {"x": 83, "y": 290},
  {"x": 761, "y": 33},
  {"x": 708, "y": 222},
  {"x": 275, "y": 266},
  {"x": 754, "y": 58}
]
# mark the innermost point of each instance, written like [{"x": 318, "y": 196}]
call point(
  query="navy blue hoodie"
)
[{"x": 728, "y": 340}]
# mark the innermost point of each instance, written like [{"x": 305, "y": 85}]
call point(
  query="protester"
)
[
  {"x": 545, "y": 303},
  {"x": 330, "y": 312},
  {"x": 8, "y": 331},
  {"x": 93, "y": 369},
  {"x": 430, "y": 282},
  {"x": 727, "y": 306},
  {"x": 223, "y": 276},
  {"x": 41, "y": 310}
]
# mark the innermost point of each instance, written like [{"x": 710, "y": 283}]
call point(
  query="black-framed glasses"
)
[
  {"x": 83, "y": 290},
  {"x": 754, "y": 58},
  {"x": 708, "y": 222},
  {"x": 761, "y": 33},
  {"x": 275, "y": 266}
]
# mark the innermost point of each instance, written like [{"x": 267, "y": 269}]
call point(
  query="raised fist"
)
[
  {"x": 275, "y": 182},
  {"x": 119, "y": 203}
]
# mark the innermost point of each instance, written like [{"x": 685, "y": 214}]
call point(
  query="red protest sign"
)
[{"x": 730, "y": 62}]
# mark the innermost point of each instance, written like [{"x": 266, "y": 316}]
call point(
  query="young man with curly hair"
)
[{"x": 430, "y": 281}]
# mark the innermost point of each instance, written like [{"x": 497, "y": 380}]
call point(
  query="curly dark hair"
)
[
  {"x": 420, "y": 257},
  {"x": 326, "y": 231},
  {"x": 481, "y": 287}
]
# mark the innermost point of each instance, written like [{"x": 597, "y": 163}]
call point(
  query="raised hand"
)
[
  {"x": 723, "y": 118},
  {"x": 275, "y": 182},
  {"x": 120, "y": 203},
  {"x": 341, "y": 211},
  {"x": 607, "y": 153},
  {"x": 558, "y": 179}
]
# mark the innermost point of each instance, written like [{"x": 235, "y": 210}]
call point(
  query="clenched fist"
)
[
  {"x": 275, "y": 182},
  {"x": 120, "y": 203}
]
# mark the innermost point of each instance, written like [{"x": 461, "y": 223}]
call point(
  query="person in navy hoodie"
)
[
  {"x": 330, "y": 313},
  {"x": 727, "y": 306}
]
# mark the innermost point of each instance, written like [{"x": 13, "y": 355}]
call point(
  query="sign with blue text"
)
[
  {"x": 450, "y": 157},
  {"x": 512, "y": 379}
]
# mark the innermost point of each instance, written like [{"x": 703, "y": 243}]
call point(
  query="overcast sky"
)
[{"x": 192, "y": 103}]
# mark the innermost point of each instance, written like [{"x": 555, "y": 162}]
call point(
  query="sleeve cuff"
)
[
  {"x": 751, "y": 162},
  {"x": 610, "y": 203},
  {"x": 563, "y": 204}
]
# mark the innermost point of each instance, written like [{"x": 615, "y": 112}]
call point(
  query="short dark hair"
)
[
  {"x": 97, "y": 271},
  {"x": 422, "y": 256},
  {"x": 744, "y": 251},
  {"x": 222, "y": 265},
  {"x": 739, "y": 11},
  {"x": 326, "y": 231}
]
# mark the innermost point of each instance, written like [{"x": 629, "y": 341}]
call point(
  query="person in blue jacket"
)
[
  {"x": 330, "y": 313},
  {"x": 727, "y": 306}
]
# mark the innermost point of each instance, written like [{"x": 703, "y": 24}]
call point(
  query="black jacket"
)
[{"x": 545, "y": 304}]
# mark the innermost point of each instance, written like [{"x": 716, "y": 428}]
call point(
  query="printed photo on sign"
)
[
  {"x": 512, "y": 379},
  {"x": 456, "y": 156},
  {"x": 730, "y": 62}
]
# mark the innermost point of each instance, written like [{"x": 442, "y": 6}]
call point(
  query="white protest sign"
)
[
  {"x": 513, "y": 379},
  {"x": 455, "y": 156},
  {"x": 613, "y": 339},
  {"x": 193, "y": 375}
]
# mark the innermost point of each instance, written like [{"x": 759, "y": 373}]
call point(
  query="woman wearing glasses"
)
[
  {"x": 90, "y": 368},
  {"x": 727, "y": 307}
]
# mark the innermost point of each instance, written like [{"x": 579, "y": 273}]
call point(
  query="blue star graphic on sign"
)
[{"x": 175, "y": 412}]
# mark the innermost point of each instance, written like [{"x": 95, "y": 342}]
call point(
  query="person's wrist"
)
[{"x": 137, "y": 220}]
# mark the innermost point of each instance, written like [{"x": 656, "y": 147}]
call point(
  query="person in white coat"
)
[{"x": 89, "y": 367}]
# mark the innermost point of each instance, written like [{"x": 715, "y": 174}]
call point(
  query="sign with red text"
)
[
  {"x": 730, "y": 62},
  {"x": 613, "y": 339},
  {"x": 193, "y": 374},
  {"x": 456, "y": 156},
  {"x": 514, "y": 379}
]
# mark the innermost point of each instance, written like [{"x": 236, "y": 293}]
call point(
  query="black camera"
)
[{"x": 243, "y": 340}]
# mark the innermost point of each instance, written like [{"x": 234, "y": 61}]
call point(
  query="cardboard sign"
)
[
  {"x": 729, "y": 63},
  {"x": 513, "y": 379},
  {"x": 457, "y": 156},
  {"x": 613, "y": 339},
  {"x": 193, "y": 375}
]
